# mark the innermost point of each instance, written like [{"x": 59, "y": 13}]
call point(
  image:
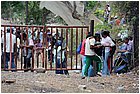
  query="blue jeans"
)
[
  {"x": 8, "y": 59},
  {"x": 127, "y": 57},
  {"x": 105, "y": 70},
  {"x": 83, "y": 59},
  {"x": 63, "y": 66},
  {"x": 83, "y": 64},
  {"x": 27, "y": 59}
]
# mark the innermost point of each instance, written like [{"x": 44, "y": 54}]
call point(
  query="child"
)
[
  {"x": 61, "y": 48},
  {"x": 38, "y": 50}
]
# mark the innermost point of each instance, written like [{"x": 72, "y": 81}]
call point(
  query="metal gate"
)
[{"x": 45, "y": 56}]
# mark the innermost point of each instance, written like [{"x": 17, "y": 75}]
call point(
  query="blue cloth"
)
[
  {"x": 58, "y": 65},
  {"x": 105, "y": 70},
  {"x": 127, "y": 47},
  {"x": 8, "y": 59},
  {"x": 122, "y": 21},
  {"x": 79, "y": 48},
  {"x": 90, "y": 70},
  {"x": 41, "y": 36},
  {"x": 83, "y": 59}
]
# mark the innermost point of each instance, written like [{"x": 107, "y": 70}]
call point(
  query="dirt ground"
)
[{"x": 49, "y": 82}]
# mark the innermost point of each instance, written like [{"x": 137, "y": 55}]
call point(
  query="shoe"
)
[
  {"x": 99, "y": 73},
  {"x": 67, "y": 76},
  {"x": 26, "y": 70},
  {"x": 83, "y": 78},
  {"x": 32, "y": 70},
  {"x": 14, "y": 70},
  {"x": 6, "y": 69}
]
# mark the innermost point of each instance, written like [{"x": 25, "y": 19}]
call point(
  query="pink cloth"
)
[{"x": 82, "y": 52}]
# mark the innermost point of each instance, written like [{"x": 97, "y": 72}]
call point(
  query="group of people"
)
[
  {"x": 98, "y": 49},
  {"x": 32, "y": 41},
  {"x": 117, "y": 21}
]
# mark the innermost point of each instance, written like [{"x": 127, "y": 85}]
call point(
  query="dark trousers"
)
[
  {"x": 49, "y": 55},
  {"x": 8, "y": 59},
  {"x": 58, "y": 65},
  {"x": 27, "y": 60}
]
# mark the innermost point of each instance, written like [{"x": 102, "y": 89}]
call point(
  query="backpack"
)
[{"x": 79, "y": 48}]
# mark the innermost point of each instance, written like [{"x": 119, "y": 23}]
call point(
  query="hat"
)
[{"x": 31, "y": 43}]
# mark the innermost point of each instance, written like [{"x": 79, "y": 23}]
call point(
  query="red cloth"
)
[
  {"x": 110, "y": 62},
  {"x": 82, "y": 52},
  {"x": 118, "y": 22}
]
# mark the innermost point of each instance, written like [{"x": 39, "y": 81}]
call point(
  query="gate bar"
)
[
  {"x": 61, "y": 45},
  {"x": 56, "y": 49},
  {"x": 81, "y": 41},
  {"x": 32, "y": 48},
  {"x": 51, "y": 48},
  {"x": 71, "y": 45},
  {"x": 46, "y": 26},
  {"x": 10, "y": 47},
  {"x": 4, "y": 47},
  {"x": 16, "y": 49},
  {"x": 76, "y": 44},
  {"x": 66, "y": 46}
]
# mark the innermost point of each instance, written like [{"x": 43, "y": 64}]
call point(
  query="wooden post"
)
[{"x": 92, "y": 27}]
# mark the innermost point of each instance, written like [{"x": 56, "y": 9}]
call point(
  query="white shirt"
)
[
  {"x": 107, "y": 42},
  {"x": 108, "y": 8},
  {"x": 88, "y": 51},
  {"x": 8, "y": 42}
]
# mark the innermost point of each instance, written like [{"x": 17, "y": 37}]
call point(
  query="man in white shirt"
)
[
  {"x": 106, "y": 41},
  {"x": 9, "y": 41},
  {"x": 89, "y": 53}
]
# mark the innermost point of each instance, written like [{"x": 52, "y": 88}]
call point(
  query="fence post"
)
[{"x": 92, "y": 27}]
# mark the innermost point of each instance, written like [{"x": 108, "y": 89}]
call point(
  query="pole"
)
[
  {"x": 26, "y": 12},
  {"x": 92, "y": 27}
]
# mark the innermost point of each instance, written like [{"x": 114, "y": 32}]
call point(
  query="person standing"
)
[
  {"x": 98, "y": 52},
  {"x": 60, "y": 56},
  {"x": 10, "y": 39},
  {"x": 89, "y": 53},
  {"x": 123, "y": 21},
  {"x": 106, "y": 42},
  {"x": 107, "y": 13}
]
